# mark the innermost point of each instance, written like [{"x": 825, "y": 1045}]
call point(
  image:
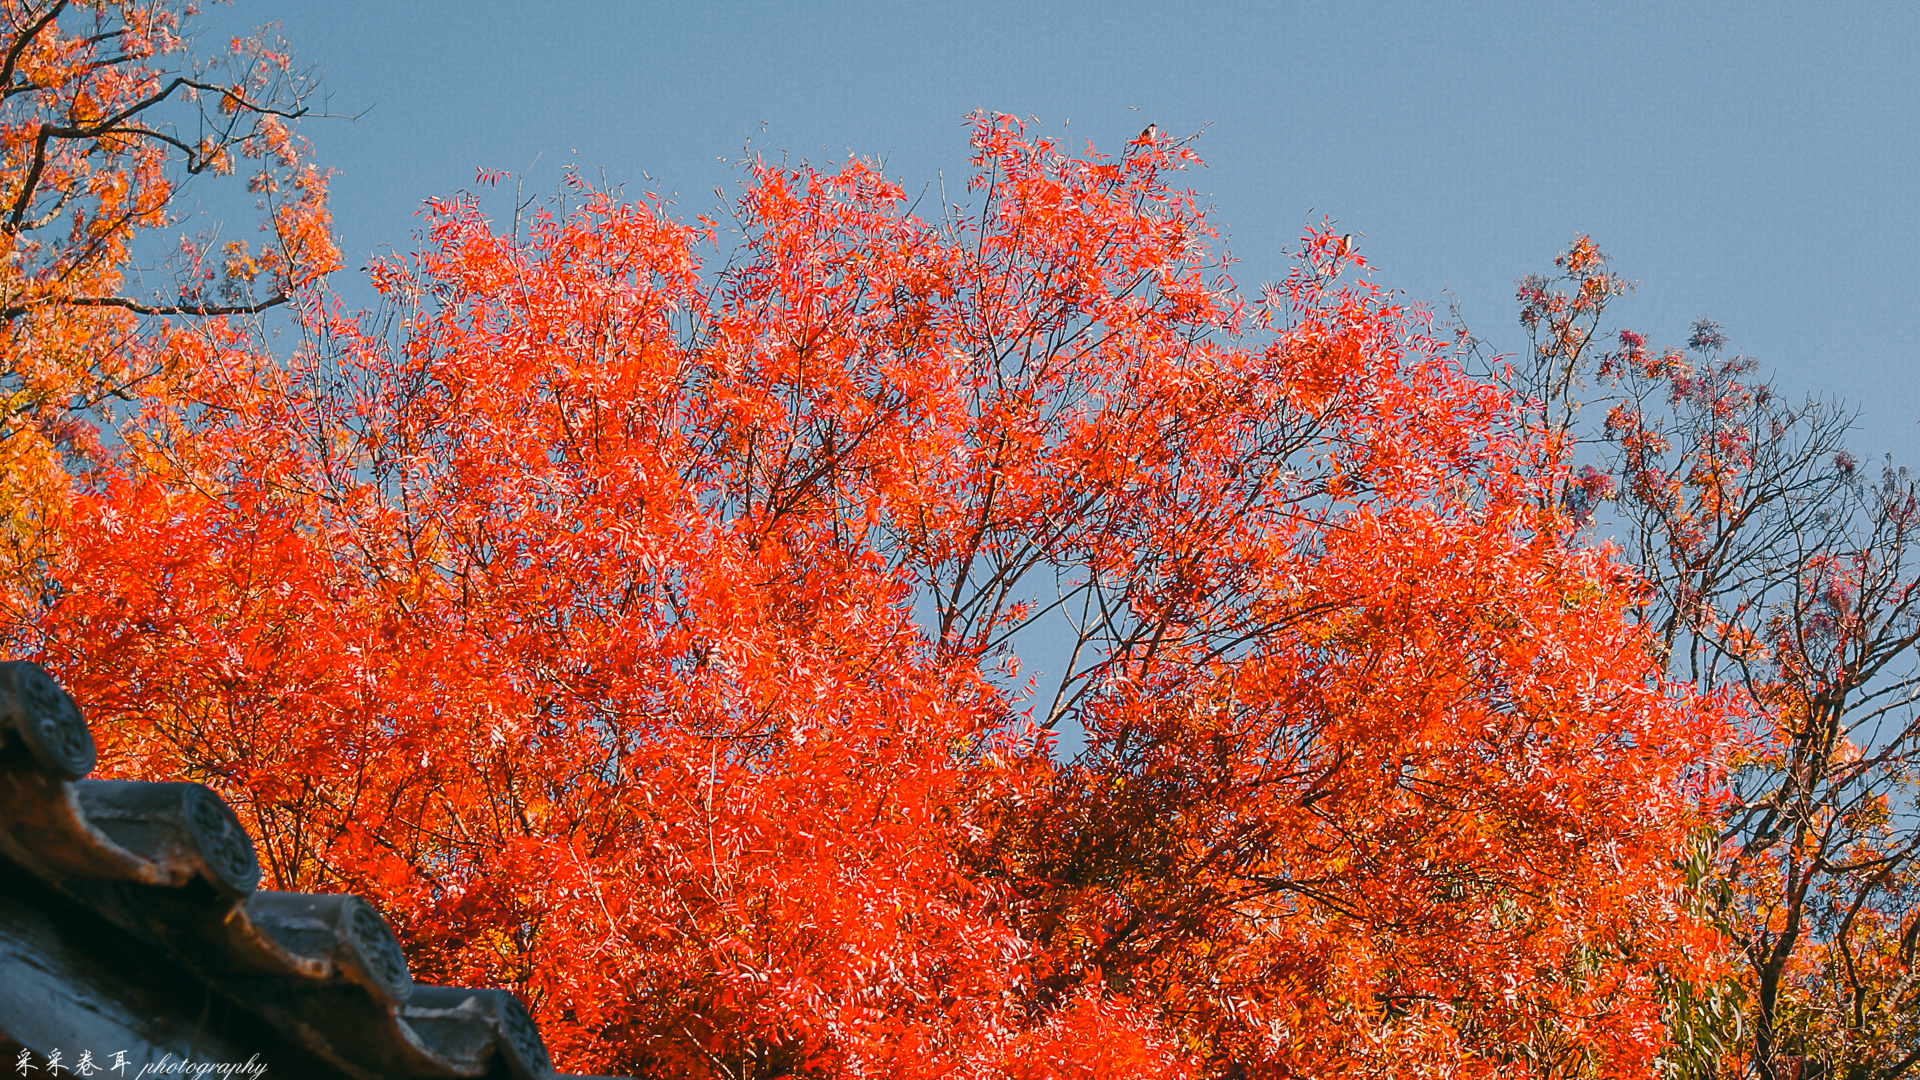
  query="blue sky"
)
[{"x": 1752, "y": 163}]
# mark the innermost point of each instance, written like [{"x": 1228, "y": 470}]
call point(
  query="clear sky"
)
[
  {"x": 1753, "y": 163},
  {"x": 1758, "y": 164}
]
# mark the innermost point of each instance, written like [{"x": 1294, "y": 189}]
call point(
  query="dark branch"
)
[
  {"x": 20, "y": 44},
  {"x": 148, "y": 309}
]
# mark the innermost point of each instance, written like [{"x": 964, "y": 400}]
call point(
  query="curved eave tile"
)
[{"x": 170, "y": 864}]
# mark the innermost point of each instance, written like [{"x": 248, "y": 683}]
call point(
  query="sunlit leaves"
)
[{"x": 642, "y": 634}]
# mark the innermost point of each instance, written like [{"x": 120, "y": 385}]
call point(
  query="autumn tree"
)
[
  {"x": 106, "y": 113},
  {"x": 641, "y": 633},
  {"x": 1780, "y": 573}
]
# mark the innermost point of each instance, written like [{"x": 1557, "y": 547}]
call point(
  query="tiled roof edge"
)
[{"x": 171, "y": 864}]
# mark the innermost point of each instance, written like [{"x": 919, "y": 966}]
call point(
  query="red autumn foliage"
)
[
  {"x": 638, "y": 635},
  {"x": 95, "y": 102}
]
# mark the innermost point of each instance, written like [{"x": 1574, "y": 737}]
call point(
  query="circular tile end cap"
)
[
  {"x": 48, "y": 721},
  {"x": 376, "y": 950},
  {"x": 523, "y": 1038},
  {"x": 222, "y": 842}
]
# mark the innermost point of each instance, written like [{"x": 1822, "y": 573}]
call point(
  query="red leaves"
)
[{"x": 638, "y": 637}]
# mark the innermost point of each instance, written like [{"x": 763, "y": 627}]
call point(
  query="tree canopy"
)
[
  {"x": 662, "y": 613},
  {"x": 635, "y": 607}
]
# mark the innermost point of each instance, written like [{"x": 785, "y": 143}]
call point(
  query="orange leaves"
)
[
  {"x": 1436, "y": 791},
  {"x": 85, "y": 175},
  {"x": 642, "y": 636}
]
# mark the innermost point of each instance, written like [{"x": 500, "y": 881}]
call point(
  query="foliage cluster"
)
[{"x": 640, "y": 632}]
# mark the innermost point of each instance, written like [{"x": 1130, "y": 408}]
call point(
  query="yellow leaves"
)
[
  {"x": 1869, "y": 814},
  {"x": 217, "y": 157},
  {"x": 1585, "y": 592},
  {"x": 237, "y": 263},
  {"x": 512, "y": 961},
  {"x": 83, "y": 109}
]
